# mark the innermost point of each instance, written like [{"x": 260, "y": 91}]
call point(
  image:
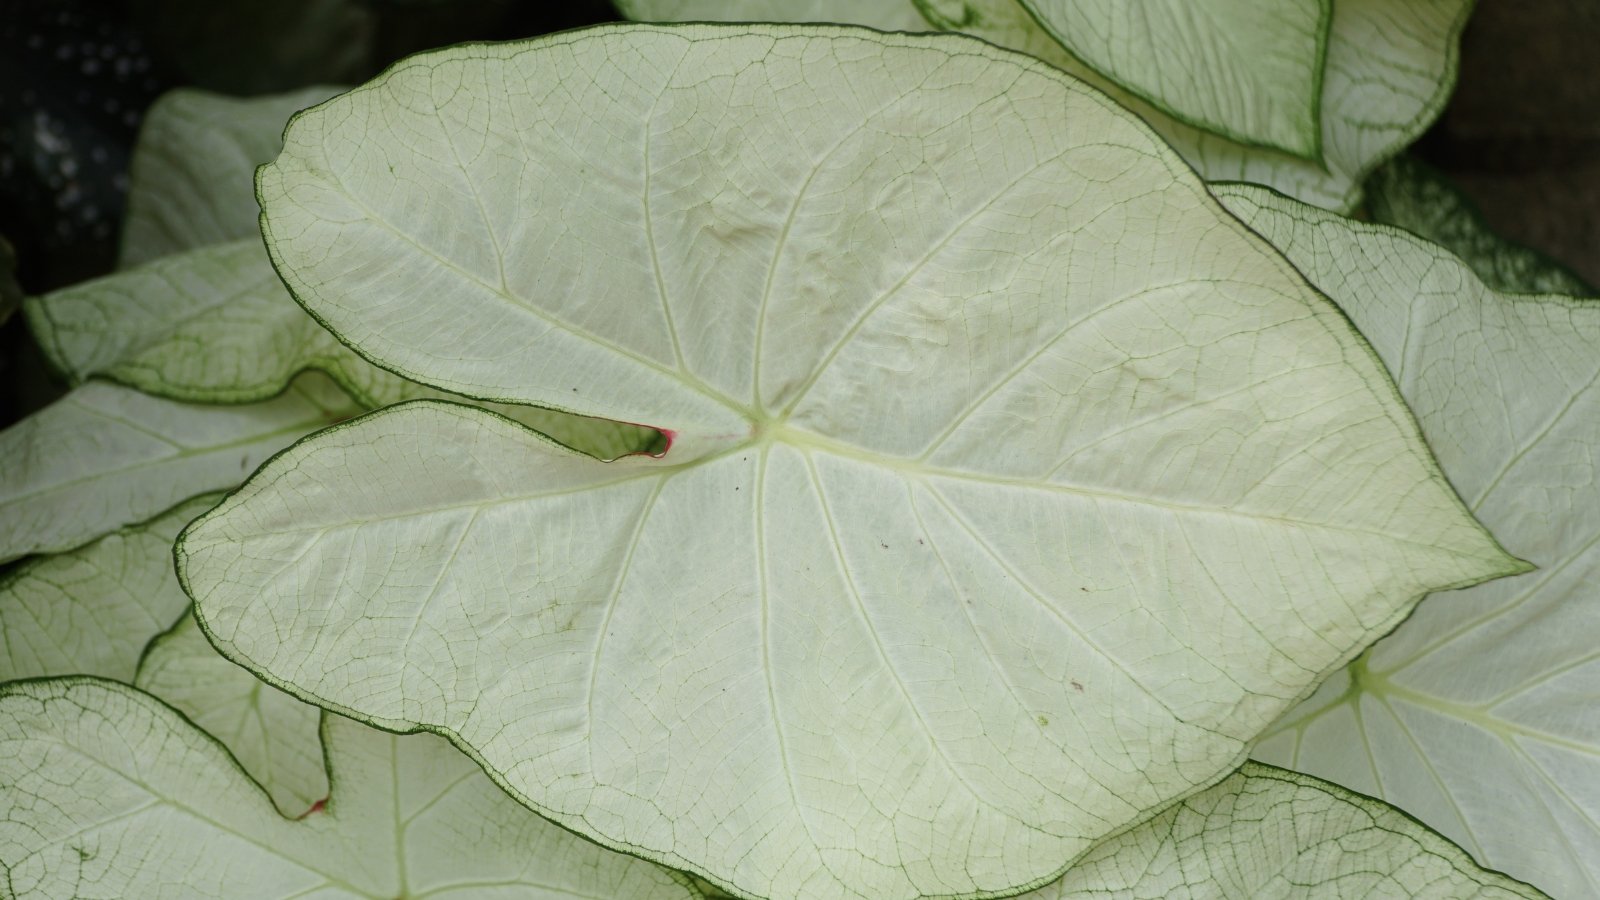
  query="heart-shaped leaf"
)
[
  {"x": 1014, "y": 485},
  {"x": 111, "y": 793},
  {"x": 1479, "y": 714}
]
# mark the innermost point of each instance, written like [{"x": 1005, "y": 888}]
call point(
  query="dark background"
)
[{"x": 1521, "y": 136}]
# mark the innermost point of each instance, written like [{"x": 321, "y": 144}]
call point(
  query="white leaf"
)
[
  {"x": 210, "y": 325},
  {"x": 1249, "y": 71},
  {"x": 997, "y": 515},
  {"x": 90, "y": 611},
  {"x": 106, "y": 456},
  {"x": 1481, "y": 714},
  {"x": 1389, "y": 70},
  {"x": 111, "y": 793},
  {"x": 1266, "y": 832},
  {"x": 274, "y": 737},
  {"x": 190, "y": 180}
]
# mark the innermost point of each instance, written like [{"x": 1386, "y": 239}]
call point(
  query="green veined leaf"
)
[
  {"x": 106, "y": 787},
  {"x": 1390, "y": 67},
  {"x": 274, "y": 737},
  {"x": 105, "y": 456},
  {"x": 1267, "y": 832},
  {"x": 210, "y": 325},
  {"x": 190, "y": 178},
  {"x": 884, "y": 15},
  {"x": 1408, "y": 193},
  {"x": 1478, "y": 715},
  {"x": 92, "y": 610},
  {"x": 1246, "y": 70},
  {"x": 994, "y": 518}
]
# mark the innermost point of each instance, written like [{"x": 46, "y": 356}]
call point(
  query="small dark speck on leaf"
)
[
  {"x": 1076, "y": 686},
  {"x": 883, "y": 545},
  {"x": 920, "y": 541},
  {"x": 1084, "y": 589},
  {"x": 244, "y": 461}
]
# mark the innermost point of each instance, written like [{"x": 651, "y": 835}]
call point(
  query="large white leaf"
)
[
  {"x": 1389, "y": 69},
  {"x": 884, "y": 15},
  {"x": 1015, "y": 485},
  {"x": 1481, "y": 714},
  {"x": 105, "y": 456},
  {"x": 110, "y": 793},
  {"x": 1250, "y": 71},
  {"x": 92, "y": 610},
  {"x": 274, "y": 737},
  {"x": 191, "y": 175}
]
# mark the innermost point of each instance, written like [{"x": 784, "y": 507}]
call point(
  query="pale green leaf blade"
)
[
  {"x": 92, "y": 610},
  {"x": 210, "y": 325},
  {"x": 274, "y": 737},
  {"x": 1408, "y": 193},
  {"x": 969, "y": 475},
  {"x": 190, "y": 177},
  {"x": 1390, "y": 67},
  {"x": 1267, "y": 832},
  {"x": 1478, "y": 715},
  {"x": 884, "y": 15},
  {"x": 105, "y": 456},
  {"x": 107, "y": 788},
  {"x": 1247, "y": 70}
]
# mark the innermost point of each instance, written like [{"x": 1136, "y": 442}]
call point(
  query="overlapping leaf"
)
[
  {"x": 105, "y": 456},
  {"x": 996, "y": 516},
  {"x": 209, "y": 325},
  {"x": 274, "y": 737},
  {"x": 190, "y": 183},
  {"x": 111, "y": 793},
  {"x": 1266, "y": 832},
  {"x": 1389, "y": 69},
  {"x": 1249, "y": 71},
  {"x": 90, "y": 611},
  {"x": 1479, "y": 715}
]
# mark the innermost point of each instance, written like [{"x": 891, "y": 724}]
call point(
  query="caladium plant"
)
[
  {"x": 1151, "y": 458},
  {"x": 964, "y": 457}
]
